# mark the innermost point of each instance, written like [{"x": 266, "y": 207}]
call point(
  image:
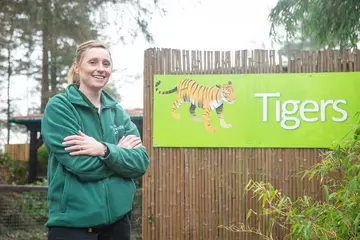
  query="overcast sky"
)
[{"x": 188, "y": 24}]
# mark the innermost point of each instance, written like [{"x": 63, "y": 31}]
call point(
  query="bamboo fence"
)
[{"x": 189, "y": 192}]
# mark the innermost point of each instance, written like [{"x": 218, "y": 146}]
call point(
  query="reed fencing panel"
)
[{"x": 189, "y": 192}]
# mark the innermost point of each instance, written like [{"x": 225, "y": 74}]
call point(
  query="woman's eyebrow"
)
[{"x": 96, "y": 58}]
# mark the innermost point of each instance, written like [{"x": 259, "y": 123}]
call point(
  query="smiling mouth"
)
[{"x": 99, "y": 77}]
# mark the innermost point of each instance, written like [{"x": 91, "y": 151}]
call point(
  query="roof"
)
[
  {"x": 135, "y": 114},
  {"x": 34, "y": 118}
]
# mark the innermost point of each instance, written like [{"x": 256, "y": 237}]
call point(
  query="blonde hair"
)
[{"x": 73, "y": 77}]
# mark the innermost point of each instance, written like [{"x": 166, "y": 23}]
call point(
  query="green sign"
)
[{"x": 292, "y": 110}]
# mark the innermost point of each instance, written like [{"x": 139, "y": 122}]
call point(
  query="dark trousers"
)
[{"x": 121, "y": 230}]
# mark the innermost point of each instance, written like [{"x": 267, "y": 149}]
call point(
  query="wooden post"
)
[
  {"x": 35, "y": 143},
  {"x": 33, "y": 157}
]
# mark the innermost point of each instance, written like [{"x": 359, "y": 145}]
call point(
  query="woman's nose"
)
[{"x": 100, "y": 68}]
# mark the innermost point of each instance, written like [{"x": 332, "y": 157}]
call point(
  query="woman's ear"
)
[{"x": 76, "y": 67}]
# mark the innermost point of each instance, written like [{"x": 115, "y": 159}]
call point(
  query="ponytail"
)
[{"x": 73, "y": 77}]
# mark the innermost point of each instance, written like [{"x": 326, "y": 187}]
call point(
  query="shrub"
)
[
  {"x": 42, "y": 163},
  {"x": 336, "y": 217},
  {"x": 12, "y": 171}
]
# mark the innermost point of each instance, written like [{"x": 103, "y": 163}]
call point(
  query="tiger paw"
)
[
  {"x": 176, "y": 115},
  {"x": 211, "y": 129},
  {"x": 226, "y": 125},
  {"x": 196, "y": 119}
]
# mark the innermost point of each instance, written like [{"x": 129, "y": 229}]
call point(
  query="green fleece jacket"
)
[{"x": 89, "y": 191}]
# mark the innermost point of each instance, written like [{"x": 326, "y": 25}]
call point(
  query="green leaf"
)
[
  {"x": 307, "y": 231},
  {"x": 326, "y": 192},
  {"x": 250, "y": 212},
  {"x": 356, "y": 223}
]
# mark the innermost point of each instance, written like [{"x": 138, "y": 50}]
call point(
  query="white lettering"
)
[
  {"x": 303, "y": 110},
  {"x": 278, "y": 110},
  {"x": 285, "y": 112},
  {"x": 339, "y": 110},
  {"x": 265, "y": 105},
  {"x": 323, "y": 108}
]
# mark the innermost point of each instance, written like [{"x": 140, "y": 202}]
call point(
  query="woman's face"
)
[{"x": 94, "y": 69}]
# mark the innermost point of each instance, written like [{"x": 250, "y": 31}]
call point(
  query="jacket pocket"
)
[{"x": 65, "y": 194}]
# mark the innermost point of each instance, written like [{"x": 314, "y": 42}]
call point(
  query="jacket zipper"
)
[
  {"x": 104, "y": 185},
  {"x": 106, "y": 202}
]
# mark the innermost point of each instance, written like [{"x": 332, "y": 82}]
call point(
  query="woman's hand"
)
[
  {"x": 130, "y": 141},
  {"x": 84, "y": 144}
]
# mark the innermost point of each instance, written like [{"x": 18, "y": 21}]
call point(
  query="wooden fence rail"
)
[{"x": 189, "y": 192}]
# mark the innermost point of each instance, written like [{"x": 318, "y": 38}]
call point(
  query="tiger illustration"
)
[{"x": 207, "y": 98}]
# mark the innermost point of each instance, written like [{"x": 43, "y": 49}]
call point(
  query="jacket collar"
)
[{"x": 77, "y": 97}]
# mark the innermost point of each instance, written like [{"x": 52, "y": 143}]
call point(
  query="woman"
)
[{"x": 94, "y": 153}]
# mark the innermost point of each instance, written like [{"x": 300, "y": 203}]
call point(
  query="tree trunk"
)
[
  {"x": 54, "y": 53},
  {"x": 45, "y": 60},
  {"x": 9, "y": 72},
  {"x": 53, "y": 80}
]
